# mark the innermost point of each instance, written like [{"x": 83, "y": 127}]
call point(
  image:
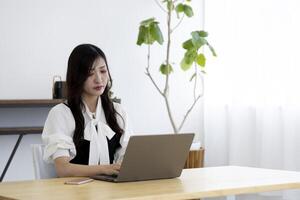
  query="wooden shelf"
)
[
  {"x": 29, "y": 102},
  {"x": 20, "y": 130}
]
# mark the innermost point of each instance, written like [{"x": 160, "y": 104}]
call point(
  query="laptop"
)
[{"x": 150, "y": 157}]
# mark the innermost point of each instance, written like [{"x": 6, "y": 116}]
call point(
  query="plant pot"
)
[{"x": 195, "y": 159}]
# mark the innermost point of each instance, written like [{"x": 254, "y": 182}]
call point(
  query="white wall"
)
[{"x": 37, "y": 37}]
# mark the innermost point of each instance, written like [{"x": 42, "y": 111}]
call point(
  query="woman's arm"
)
[
  {"x": 123, "y": 121},
  {"x": 65, "y": 169}
]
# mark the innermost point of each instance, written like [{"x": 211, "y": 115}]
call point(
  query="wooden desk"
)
[{"x": 193, "y": 183}]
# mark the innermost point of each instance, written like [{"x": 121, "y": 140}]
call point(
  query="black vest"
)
[{"x": 83, "y": 149}]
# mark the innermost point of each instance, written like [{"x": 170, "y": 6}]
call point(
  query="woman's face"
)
[{"x": 97, "y": 80}]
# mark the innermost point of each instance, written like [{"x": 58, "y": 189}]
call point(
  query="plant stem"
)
[
  {"x": 166, "y": 90},
  {"x": 159, "y": 5},
  {"x": 194, "y": 103},
  {"x": 148, "y": 72},
  {"x": 195, "y": 83},
  {"x": 173, "y": 29},
  {"x": 189, "y": 110},
  {"x": 168, "y": 51},
  {"x": 175, "y": 129}
]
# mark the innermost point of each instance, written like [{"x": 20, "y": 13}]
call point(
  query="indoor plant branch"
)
[
  {"x": 149, "y": 32},
  {"x": 166, "y": 90},
  {"x": 149, "y": 74}
]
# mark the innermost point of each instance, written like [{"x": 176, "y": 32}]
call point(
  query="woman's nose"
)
[{"x": 98, "y": 77}]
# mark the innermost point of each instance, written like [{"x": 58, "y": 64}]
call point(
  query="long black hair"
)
[{"x": 79, "y": 66}]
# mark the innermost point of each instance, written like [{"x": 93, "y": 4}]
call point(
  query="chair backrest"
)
[{"x": 42, "y": 169}]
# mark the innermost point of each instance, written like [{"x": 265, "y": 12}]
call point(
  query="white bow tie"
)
[{"x": 99, "y": 152}]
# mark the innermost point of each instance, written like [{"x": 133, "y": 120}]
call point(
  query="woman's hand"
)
[
  {"x": 111, "y": 169},
  {"x": 65, "y": 169}
]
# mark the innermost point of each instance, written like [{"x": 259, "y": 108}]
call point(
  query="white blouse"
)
[{"x": 60, "y": 126}]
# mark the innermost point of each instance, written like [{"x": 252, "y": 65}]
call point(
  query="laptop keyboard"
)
[
  {"x": 113, "y": 175},
  {"x": 106, "y": 177}
]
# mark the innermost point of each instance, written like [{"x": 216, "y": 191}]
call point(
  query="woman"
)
[{"x": 86, "y": 135}]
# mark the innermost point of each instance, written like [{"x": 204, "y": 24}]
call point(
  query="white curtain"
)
[{"x": 252, "y": 96}]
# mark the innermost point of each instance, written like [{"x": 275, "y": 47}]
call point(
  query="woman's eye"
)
[
  {"x": 103, "y": 71},
  {"x": 91, "y": 73}
]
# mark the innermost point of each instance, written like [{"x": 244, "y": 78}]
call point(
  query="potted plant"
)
[{"x": 193, "y": 59}]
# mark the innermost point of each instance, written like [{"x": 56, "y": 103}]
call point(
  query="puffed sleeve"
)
[
  {"x": 58, "y": 133},
  {"x": 124, "y": 123}
]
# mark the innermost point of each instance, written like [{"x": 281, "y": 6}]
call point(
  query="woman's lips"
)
[{"x": 98, "y": 88}]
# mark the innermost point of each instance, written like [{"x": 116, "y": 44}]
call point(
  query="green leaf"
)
[
  {"x": 147, "y": 22},
  {"x": 188, "y": 11},
  {"x": 212, "y": 50},
  {"x": 201, "y": 60},
  {"x": 142, "y": 35},
  {"x": 179, "y": 8},
  {"x": 193, "y": 76},
  {"x": 188, "y": 59},
  {"x": 197, "y": 40},
  {"x": 170, "y": 5},
  {"x": 185, "y": 65},
  {"x": 195, "y": 35},
  {"x": 191, "y": 55},
  {"x": 149, "y": 39},
  {"x": 188, "y": 45},
  {"x": 156, "y": 33},
  {"x": 165, "y": 69},
  {"x": 202, "y": 33}
]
